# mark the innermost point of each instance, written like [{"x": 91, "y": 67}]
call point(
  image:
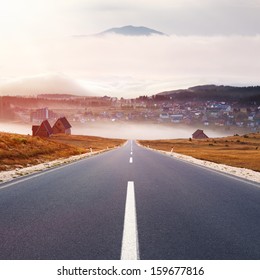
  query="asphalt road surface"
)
[{"x": 130, "y": 203}]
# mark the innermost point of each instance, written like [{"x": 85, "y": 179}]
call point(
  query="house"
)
[
  {"x": 62, "y": 126},
  {"x": 199, "y": 134},
  {"x": 43, "y": 130},
  {"x": 176, "y": 118},
  {"x": 164, "y": 116}
]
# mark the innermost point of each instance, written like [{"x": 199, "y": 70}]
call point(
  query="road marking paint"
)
[
  {"x": 131, "y": 153},
  {"x": 131, "y": 145},
  {"x": 130, "y": 246},
  {"x": 131, "y": 160}
]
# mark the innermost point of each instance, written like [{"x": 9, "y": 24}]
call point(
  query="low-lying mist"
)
[
  {"x": 123, "y": 130},
  {"x": 141, "y": 131}
]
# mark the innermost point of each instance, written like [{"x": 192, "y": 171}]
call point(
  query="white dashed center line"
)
[
  {"x": 130, "y": 246},
  {"x": 131, "y": 160}
]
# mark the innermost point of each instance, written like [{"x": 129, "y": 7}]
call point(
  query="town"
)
[{"x": 80, "y": 110}]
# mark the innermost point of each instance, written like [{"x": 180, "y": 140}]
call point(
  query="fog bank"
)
[
  {"x": 123, "y": 130},
  {"x": 127, "y": 66}
]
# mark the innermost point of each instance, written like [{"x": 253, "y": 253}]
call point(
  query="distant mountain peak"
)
[{"x": 130, "y": 30}]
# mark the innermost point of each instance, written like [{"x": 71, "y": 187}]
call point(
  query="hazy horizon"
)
[
  {"x": 139, "y": 131},
  {"x": 209, "y": 42}
]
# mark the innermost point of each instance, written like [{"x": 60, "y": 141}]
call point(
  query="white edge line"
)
[{"x": 130, "y": 246}]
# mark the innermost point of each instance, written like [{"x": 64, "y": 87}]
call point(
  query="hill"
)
[
  {"x": 213, "y": 92},
  {"x": 18, "y": 150},
  {"x": 130, "y": 30}
]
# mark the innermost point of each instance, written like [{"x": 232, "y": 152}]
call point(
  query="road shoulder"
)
[{"x": 243, "y": 173}]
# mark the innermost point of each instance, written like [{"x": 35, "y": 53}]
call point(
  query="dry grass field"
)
[
  {"x": 87, "y": 142},
  {"x": 239, "y": 151},
  {"x": 21, "y": 150}
]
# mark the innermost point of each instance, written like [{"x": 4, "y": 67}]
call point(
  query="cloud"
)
[
  {"x": 131, "y": 66},
  {"x": 214, "y": 42},
  {"x": 180, "y": 17},
  {"x": 141, "y": 65},
  {"x": 40, "y": 84}
]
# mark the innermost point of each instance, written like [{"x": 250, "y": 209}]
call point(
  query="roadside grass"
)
[
  {"x": 18, "y": 151},
  {"x": 88, "y": 142},
  {"x": 238, "y": 151}
]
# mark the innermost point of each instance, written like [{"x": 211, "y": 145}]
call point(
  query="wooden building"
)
[
  {"x": 43, "y": 130},
  {"x": 61, "y": 126},
  {"x": 199, "y": 134}
]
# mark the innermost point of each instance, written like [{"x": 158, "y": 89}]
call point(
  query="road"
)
[{"x": 130, "y": 203}]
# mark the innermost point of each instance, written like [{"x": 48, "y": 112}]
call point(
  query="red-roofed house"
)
[
  {"x": 62, "y": 126},
  {"x": 199, "y": 134},
  {"x": 43, "y": 130}
]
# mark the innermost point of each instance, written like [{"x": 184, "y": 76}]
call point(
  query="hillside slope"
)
[
  {"x": 213, "y": 92},
  {"x": 18, "y": 151}
]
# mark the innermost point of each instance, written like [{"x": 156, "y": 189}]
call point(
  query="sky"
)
[{"x": 208, "y": 42}]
